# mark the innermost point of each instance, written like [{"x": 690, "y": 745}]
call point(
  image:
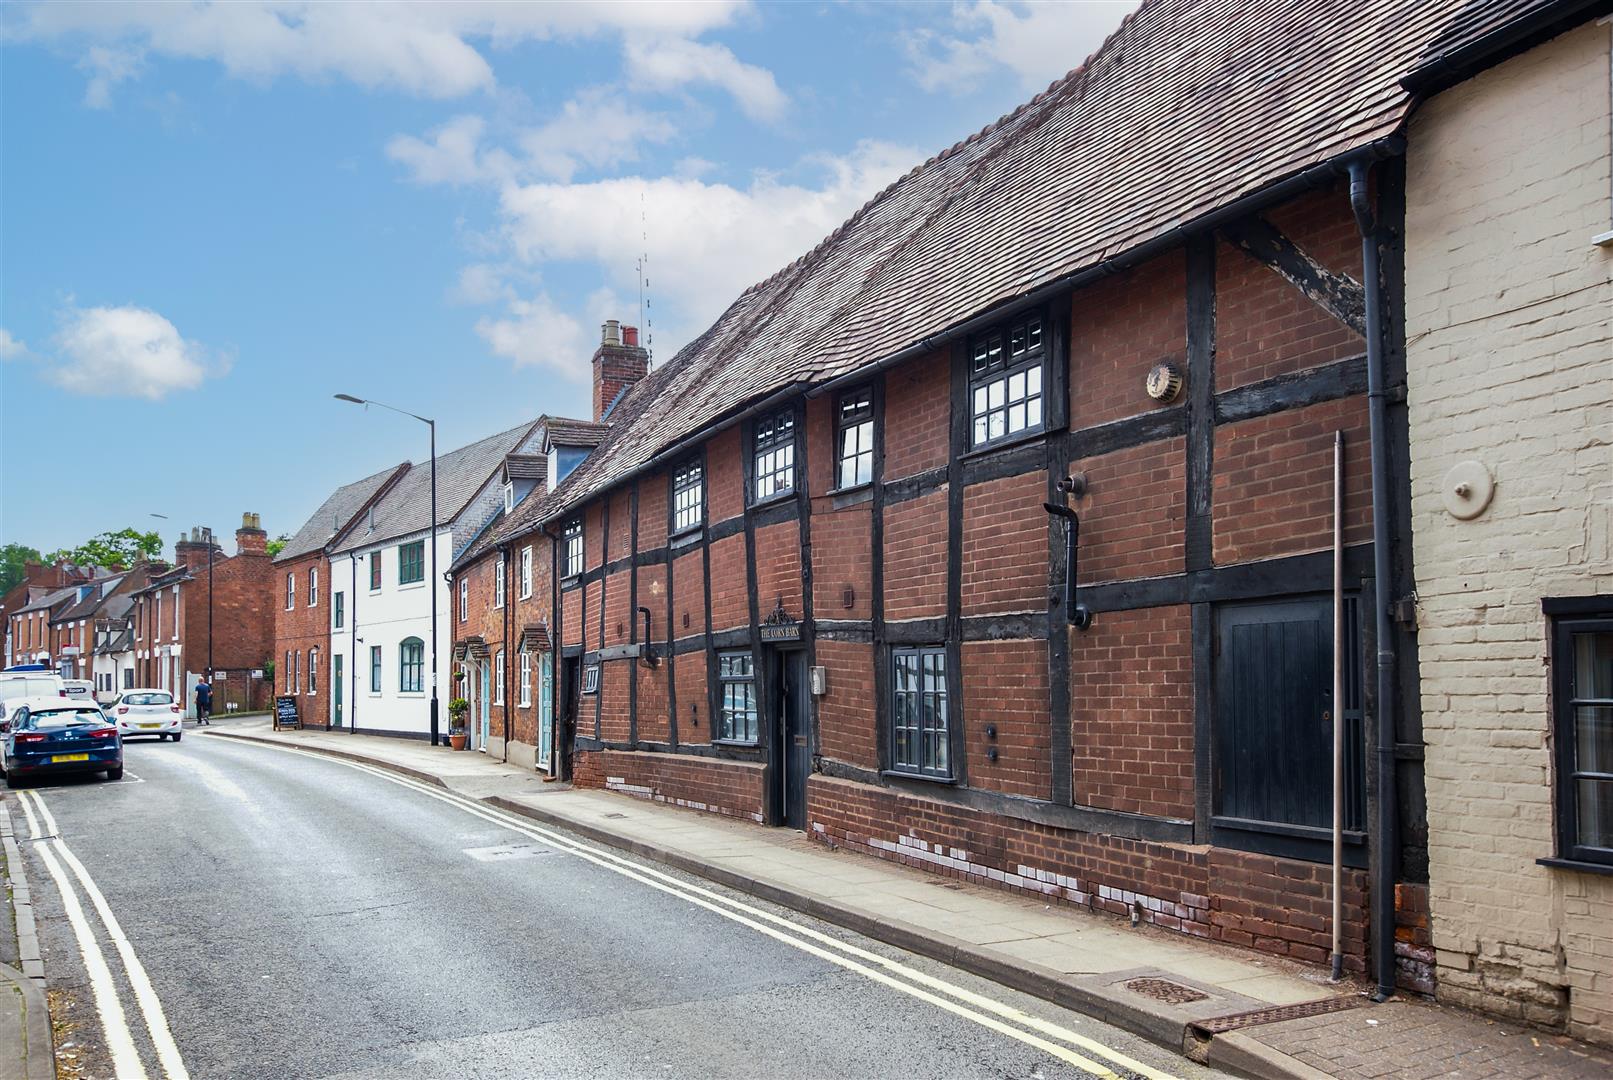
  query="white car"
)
[{"x": 147, "y": 711}]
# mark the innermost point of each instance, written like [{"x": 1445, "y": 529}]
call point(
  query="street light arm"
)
[{"x": 383, "y": 405}]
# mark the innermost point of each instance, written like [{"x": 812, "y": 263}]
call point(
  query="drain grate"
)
[
  {"x": 1218, "y": 1025},
  {"x": 1165, "y": 990}
]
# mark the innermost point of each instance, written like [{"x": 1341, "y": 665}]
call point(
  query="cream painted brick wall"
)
[{"x": 1509, "y": 328}]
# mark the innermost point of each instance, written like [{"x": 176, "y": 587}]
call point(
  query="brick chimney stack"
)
[
  {"x": 191, "y": 550},
  {"x": 250, "y": 539},
  {"x": 619, "y": 362}
]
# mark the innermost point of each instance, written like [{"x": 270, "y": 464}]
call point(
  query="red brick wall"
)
[
  {"x": 689, "y": 594},
  {"x": 846, "y": 712},
  {"x": 619, "y": 613},
  {"x": 730, "y": 788},
  {"x": 1005, "y": 684},
  {"x": 1005, "y": 545},
  {"x": 917, "y": 413},
  {"x": 725, "y": 477},
  {"x": 730, "y": 606},
  {"x": 1121, "y": 327},
  {"x": 694, "y": 709},
  {"x": 652, "y": 702},
  {"x": 818, "y": 439},
  {"x": 916, "y": 557},
  {"x": 1273, "y": 485},
  {"x": 614, "y": 679},
  {"x": 621, "y": 524},
  {"x": 1133, "y": 515},
  {"x": 841, "y": 543},
  {"x": 778, "y": 568},
  {"x": 652, "y": 510},
  {"x": 571, "y": 604},
  {"x": 1131, "y": 714}
]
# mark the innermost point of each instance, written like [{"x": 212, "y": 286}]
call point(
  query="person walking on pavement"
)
[{"x": 204, "y": 701}]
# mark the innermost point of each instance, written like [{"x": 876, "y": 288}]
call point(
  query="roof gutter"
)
[{"x": 1446, "y": 69}]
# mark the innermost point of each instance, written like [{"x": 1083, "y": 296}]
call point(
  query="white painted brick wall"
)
[{"x": 1509, "y": 326}]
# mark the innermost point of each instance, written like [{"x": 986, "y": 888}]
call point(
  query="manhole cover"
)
[
  {"x": 1165, "y": 990},
  {"x": 1218, "y": 1025}
]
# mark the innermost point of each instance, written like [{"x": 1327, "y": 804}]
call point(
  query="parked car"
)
[
  {"x": 82, "y": 689},
  {"x": 147, "y": 711},
  {"x": 55, "y": 735},
  {"x": 19, "y": 684}
]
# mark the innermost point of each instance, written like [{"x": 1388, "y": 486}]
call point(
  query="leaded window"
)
[
  {"x": 572, "y": 538},
  {"x": 773, "y": 446},
  {"x": 854, "y": 426},
  {"x": 1005, "y": 381},
  {"x": 688, "y": 495},
  {"x": 736, "y": 720},
  {"x": 919, "y": 715},
  {"x": 411, "y": 666},
  {"x": 411, "y": 562},
  {"x": 1582, "y": 658}
]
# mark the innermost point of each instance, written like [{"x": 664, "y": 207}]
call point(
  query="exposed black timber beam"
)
[
  {"x": 1293, "y": 390},
  {"x": 1340, "y": 295}
]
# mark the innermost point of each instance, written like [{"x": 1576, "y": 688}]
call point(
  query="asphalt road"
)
[{"x": 299, "y": 917}]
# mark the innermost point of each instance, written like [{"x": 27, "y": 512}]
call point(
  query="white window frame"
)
[
  {"x": 526, "y": 680},
  {"x": 498, "y": 678},
  {"x": 509, "y": 496},
  {"x": 498, "y": 581},
  {"x": 526, "y": 572},
  {"x": 291, "y": 589},
  {"x": 313, "y": 586},
  {"x": 464, "y": 599},
  {"x": 176, "y": 612}
]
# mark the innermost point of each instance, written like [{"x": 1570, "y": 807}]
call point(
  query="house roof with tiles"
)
[
  {"x": 337, "y": 512},
  {"x": 1187, "y": 108}
]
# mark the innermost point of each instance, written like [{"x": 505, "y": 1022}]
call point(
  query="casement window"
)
[
  {"x": 590, "y": 679},
  {"x": 773, "y": 452},
  {"x": 411, "y": 666},
  {"x": 291, "y": 591},
  {"x": 498, "y": 582},
  {"x": 736, "y": 718},
  {"x": 854, "y": 439},
  {"x": 313, "y": 671},
  {"x": 498, "y": 677},
  {"x": 1582, "y": 696},
  {"x": 375, "y": 571},
  {"x": 313, "y": 586},
  {"x": 526, "y": 680},
  {"x": 286, "y": 678},
  {"x": 919, "y": 716},
  {"x": 464, "y": 599},
  {"x": 338, "y": 610},
  {"x": 572, "y": 538},
  {"x": 526, "y": 573},
  {"x": 296, "y": 672},
  {"x": 128, "y": 678},
  {"x": 176, "y": 612},
  {"x": 411, "y": 562},
  {"x": 1005, "y": 381},
  {"x": 375, "y": 669},
  {"x": 509, "y": 497},
  {"x": 688, "y": 495}
]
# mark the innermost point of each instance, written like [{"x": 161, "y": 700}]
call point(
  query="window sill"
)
[
  {"x": 686, "y": 536},
  {"x": 852, "y": 489},
  {"x": 571, "y": 582},
  {"x": 1576, "y": 864},
  {"x": 749, "y": 744},
  {"x": 776, "y": 497},
  {"x": 898, "y": 774},
  {"x": 1003, "y": 444},
  {"x": 405, "y": 586}
]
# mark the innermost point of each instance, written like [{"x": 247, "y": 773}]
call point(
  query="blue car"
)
[{"x": 47, "y": 736}]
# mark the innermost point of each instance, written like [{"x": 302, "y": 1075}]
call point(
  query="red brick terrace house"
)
[
  {"x": 818, "y": 571},
  {"x": 174, "y": 639}
]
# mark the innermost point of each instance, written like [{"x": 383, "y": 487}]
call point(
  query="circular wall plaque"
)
[
  {"x": 1164, "y": 382},
  {"x": 1467, "y": 490}
]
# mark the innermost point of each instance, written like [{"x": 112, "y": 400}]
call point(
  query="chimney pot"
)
[
  {"x": 630, "y": 336},
  {"x": 611, "y": 332}
]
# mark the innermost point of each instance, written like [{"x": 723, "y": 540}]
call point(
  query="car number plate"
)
[
  {"x": 150, "y": 725},
  {"x": 70, "y": 757}
]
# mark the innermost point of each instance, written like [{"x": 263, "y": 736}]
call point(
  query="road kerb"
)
[{"x": 30, "y": 981}]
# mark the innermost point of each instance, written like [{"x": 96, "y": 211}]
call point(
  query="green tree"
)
[
  {"x": 13, "y": 557},
  {"x": 120, "y": 548},
  {"x": 276, "y": 544}
]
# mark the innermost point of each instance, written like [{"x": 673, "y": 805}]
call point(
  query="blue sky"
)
[{"x": 214, "y": 217}]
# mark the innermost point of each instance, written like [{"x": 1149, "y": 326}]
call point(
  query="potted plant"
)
[{"x": 457, "y": 709}]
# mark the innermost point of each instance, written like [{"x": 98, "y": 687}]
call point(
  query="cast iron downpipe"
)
[
  {"x": 1388, "y": 838},
  {"x": 1077, "y": 614},
  {"x": 650, "y": 659}
]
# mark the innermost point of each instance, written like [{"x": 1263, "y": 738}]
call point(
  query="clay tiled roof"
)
[
  {"x": 564, "y": 431},
  {"x": 335, "y": 512},
  {"x": 1188, "y": 107},
  {"x": 526, "y": 467}
]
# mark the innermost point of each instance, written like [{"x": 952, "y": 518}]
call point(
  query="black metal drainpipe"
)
[{"x": 1388, "y": 839}]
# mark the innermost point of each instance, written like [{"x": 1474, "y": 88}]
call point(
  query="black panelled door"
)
[{"x": 792, "y": 756}]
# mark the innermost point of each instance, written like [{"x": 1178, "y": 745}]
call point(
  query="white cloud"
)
[
  {"x": 107, "y": 67},
  {"x": 707, "y": 242},
  {"x": 1034, "y": 43},
  {"x": 421, "y": 48},
  {"x": 481, "y": 283},
  {"x": 11, "y": 348},
  {"x": 671, "y": 63},
  {"x": 127, "y": 351},
  {"x": 451, "y": 155},
  {"x": 535, "y": 333},
  {"x": 596, "y": 128}
]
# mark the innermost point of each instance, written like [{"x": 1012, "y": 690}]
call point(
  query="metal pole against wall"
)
[{"x": 1338, "y": 701}]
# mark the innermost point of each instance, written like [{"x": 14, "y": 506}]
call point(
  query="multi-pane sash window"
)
[
  {"x": 411, "y": 666},
  {"x": 313, "y": 671},
  {"x": 313, "y": 586},
  {"x": 338, "y": 610},
  {"x": 526, "y": 572},
  {"x": 375, "y": 669},
  {"x": 296, "y": 671},
  {"x": 919, "y": 712},
  {"x": 291, "y": 591},
  {"x": 573, "y": 541},
  {"x": 688, "y": 495},
  {"x": 411, "y": 562},
  {"x": 1005, "y": 381},
  {"x": 464, "y": 599},
  {"x": 526, "y": 680},
  {"x": 498, "y": 582},
  {"x": 290, "y": 686},
  {"x": 375, "y": 571},
  {"x": 736, "y": 722},
  {"x": 498, "y": 677},
  {"x": 774, "y": 448},
  {"x": 1583, "y": 657},
  {"x": 854, "y": 424}
]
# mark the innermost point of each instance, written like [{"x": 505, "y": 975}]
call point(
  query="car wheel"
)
[
  {"x": 176, "y": 735},
  {"x": 115, "y": 773},
  {"x": 162, "y": 738}
]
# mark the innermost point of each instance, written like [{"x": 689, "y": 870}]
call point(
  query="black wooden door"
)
[
  {"x": 792, "y": 757},
  {"x": 1273, "y": 742},
  {"x": 570, "y": 699}
]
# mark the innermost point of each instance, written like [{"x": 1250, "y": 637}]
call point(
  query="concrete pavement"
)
[
  {"x": 1255, "y": 1014},
  {"x": 26, "y": 1052}
]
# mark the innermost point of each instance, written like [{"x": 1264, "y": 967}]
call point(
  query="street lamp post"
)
[{"x": 431, "y": 542}]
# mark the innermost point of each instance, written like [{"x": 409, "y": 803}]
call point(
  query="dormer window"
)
[{"x": 509, "y": 496}]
